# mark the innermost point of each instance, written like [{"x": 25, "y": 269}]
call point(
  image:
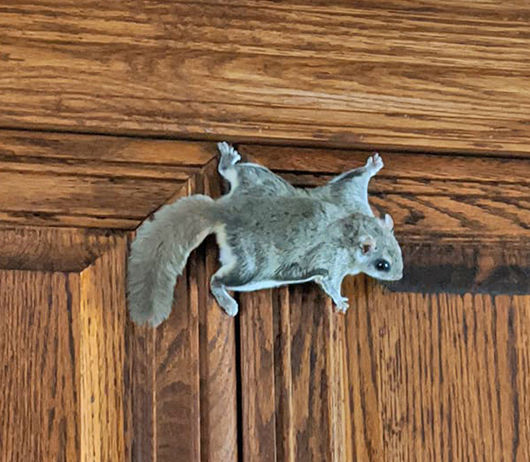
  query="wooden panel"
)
[
  {"x": 62, "y": 341},
  {"x": 183, "y": 377},
  {"x": 292, "y": 377},
  {"x": 411, "y": 382},
  {"x": 91, "y": 181},
  {"x": 147, "y": 154},
  {"x": 477, "y": 267},
  {"x": 258, "y": 424},
  {"x": 439, "y": 377},
  {"x": 219, "y": 390},
  {"x": 401, "y": 377},
  {"x": 441, "y": 75},
  {"x": 118, "y": 391},
  {"x": 220, "y": 435},
  {"x": 50, "y": 249},
  {"x": 39, "y": 392},
  {"x": 140, "y": 378},
  {"x": 176, "y": 366},
  {"x": 99, "y": 321},
  {"x": 422, "y": 166},
  {"x": 123, "y": 202}
]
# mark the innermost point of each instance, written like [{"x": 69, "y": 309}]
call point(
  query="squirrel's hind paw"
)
[{"x": 230, "y": 307}]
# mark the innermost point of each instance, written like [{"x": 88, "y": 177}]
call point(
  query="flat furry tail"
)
[{"x": 159, "y": 253}]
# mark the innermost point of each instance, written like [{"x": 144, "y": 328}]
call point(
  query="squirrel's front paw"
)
[
  {"x": 342, "y": 304},
  {"x": 374, "y": 163}
]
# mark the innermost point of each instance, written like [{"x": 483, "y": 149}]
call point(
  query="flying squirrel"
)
[{"x": 269, "y": 233}]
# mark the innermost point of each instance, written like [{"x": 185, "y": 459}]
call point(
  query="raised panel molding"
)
[{"x": 81, "y": 181}]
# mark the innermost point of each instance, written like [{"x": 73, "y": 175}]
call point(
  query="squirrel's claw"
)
[{"x": 374, "y": 163}]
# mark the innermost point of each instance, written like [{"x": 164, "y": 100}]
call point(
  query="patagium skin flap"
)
[{"x": 269, "y": 234}]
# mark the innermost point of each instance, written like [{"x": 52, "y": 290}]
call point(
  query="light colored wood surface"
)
[
  {"x": 435, "y": 75},
  {"x": 99, "y": 323}
]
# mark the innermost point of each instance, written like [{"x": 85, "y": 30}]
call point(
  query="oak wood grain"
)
[
  {"x": 39, "y": 393},
  {"x": 474, "y": 267},
  {"x": 258, "y": 426},
  {"x": 429, "y": 196},
  {"x": 140, "y": 379},
  {"x": 182, "y": 375},
  {"x": 81, "y": 382},
  {"x": 148, "y": 154},
  {"x": 439, "y": 75},
  {"x": 437, "y": 377},
  {"x": 220, "y": 432},
  {"x": 100, "y": 321},
  {"x": 292, "y": 377},
  {"x": 106, "y": 182},
  {"x": 401, "y": 377},
  {"x": 177, "y": 373},
  {"x": 51, "y": 249},
  {"x": 62, "y": 344}
]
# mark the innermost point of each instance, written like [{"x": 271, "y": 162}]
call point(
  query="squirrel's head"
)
[{"x": 378, "y": 253}]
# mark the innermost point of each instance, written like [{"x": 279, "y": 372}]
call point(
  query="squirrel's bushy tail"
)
[{"x": 159, "y": 253}]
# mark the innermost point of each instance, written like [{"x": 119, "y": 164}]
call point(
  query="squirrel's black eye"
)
[{"x": 382, "y": 265}]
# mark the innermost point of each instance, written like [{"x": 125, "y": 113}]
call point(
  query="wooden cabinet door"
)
[
  {"x": 432, "y": 368},
  {"x": 78, "y": 381},
  {"x": 435, "y": 368},
  {"x": 63, "y": 350},
  {"x": 401, "y": 377}
]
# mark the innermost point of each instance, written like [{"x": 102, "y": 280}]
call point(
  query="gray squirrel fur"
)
[{"x": 269, "y": 234}]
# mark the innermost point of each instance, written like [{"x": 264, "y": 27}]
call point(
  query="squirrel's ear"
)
[
  {"x": 389, "y": 223},
  {"x": 367, "y": 244}
]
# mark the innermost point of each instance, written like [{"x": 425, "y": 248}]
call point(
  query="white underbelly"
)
[{"x": 267, "y": 284}]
